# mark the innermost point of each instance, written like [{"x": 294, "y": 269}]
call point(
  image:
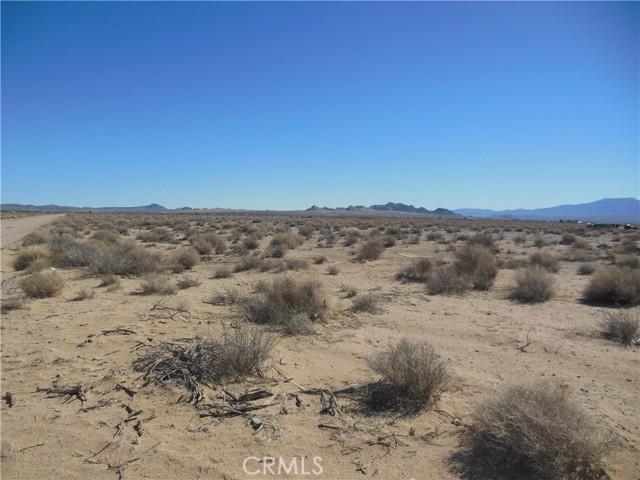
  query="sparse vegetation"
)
[
  {"x": 29, "y": 256},
  {"x": 417, "y": 271},
  {"x": 445, "y": 279},
  {"x": 156, "y": 283},
  {"x": 371, "y": 249},
  {"x": 413, "y": 377},
  {"x": 199, "y": 361},
  {"x": 366, "y": 303},
  {"x": 533, "y": 285},
  {"x": 622, "y": 326},
  {"x": 41, "y": 284},
  {"x": 614, "y": 286},
  {"x": 545, "y": 259},
  {"x": 536, "y": 431},
  {"x": 279, "y": 301}
]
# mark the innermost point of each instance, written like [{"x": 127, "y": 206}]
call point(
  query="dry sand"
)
[{"x": 478, "y": 334}]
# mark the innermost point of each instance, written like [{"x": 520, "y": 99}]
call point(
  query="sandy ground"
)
[
  {"x": 12, "y": 230},
  {"x": 478, "y": 334}
]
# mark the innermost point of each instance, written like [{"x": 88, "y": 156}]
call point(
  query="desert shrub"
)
[
  {"x": 476, "y": 262},
  {"x": 307, "y": 230},
  {"x": 371, "y": 249},
  {"x": 239, "y": 249},
  {"x": 29, "y": 255},
  {"x": 614, "y": 286},
  {"x": 84, "y": 294},
  {"x": 484, "y": 239},
  {"x": 389, "y": 241},
  {"x": 568, "y": 238},
  {"x": 41, "y": 284},
  {"x": 223, "y": 272},
  {"x": 581, "y": 244},
  {"x": 295, "y": 264},
  {"x": 188, "y": 282},
  {"x": 417, "y": 271},
  {"x": 197, "y": 362},
  {"x": 434, "y": 236},
  {"x": 349, "y": 291},
  {"x": 536, "y": 431},
  {"x": 125, "y": 258},
  {"x": 297, "y": 324},
  {"x": 106, "y": 236},
  {"x": 201, "y": 245},
  {"x": 445, "y": 279},
  {"x": 519, "y": 239},
  {"x": 586, "y": 269},
  {"x": 244, "y": 351},
  {"x": 288, "y": 239},
  {"x": 540, "y": 241},
  {"x": 630, "y": 261},
  {"x": 278, "y": 301},
  {"x": 628, "y": 245},
  {"x": 157, "y": 235},
  {"x": 622, "y": 326},
  {"x": 414, "y": 239},
  {"x": 8, "y": 304},
  {"x": 156, "y": 283},
  {"x": 67, "y": 253},
  {"x": 246, "y": 263},
  {"x": 533, "y": 285},
  {"x": 251, "y": 242},
  {"x": 39, "y": 237},
  {"x": 109, "y": 280},
  {"x": 366, "y": 303},
  {"x": 319, "y": 260},
  {"x": 577, "y": 255},
  {"x": 350, "y": 240},
  {"x": 413, "y": 376},
  {"x": 514, "y": 263},
  {"x": 333, "y": 270},
  {"x": 545, "y": 259},
  {"x": 185, "y": 257}
]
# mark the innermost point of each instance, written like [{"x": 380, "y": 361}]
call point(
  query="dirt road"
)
[{"x": 11, "y": 231}]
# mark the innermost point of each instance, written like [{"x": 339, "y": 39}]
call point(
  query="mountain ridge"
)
[{"x": 614, "y": 210}]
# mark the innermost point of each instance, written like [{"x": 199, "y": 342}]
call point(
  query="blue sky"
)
[{"x": 284, "y": 105}]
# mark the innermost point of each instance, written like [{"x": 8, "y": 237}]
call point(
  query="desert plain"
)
[{"x": 75, "y": 405}]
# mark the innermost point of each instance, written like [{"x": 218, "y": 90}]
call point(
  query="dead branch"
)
[
  {"x": 237, "y": 411},
  {"x": 108, "y": 331},
  {"x": 77, "y": 391},
  {"x": 130, "y": 392},
  {"x": 32, "y": 446},
  {"x": 119, "y": 467},
  {"x": 160, "y": 306}
]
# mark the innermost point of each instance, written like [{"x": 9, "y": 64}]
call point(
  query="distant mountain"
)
[
  {"x": 154, "y": 207},
  {"x": 612, "y": 210},
  {"x": 387, "y": 207}
]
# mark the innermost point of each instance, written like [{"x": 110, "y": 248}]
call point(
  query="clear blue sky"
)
[{"x": 285, "y": 105}]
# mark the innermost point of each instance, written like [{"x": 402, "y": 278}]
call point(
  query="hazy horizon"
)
[{"x": 284, "y": 105}]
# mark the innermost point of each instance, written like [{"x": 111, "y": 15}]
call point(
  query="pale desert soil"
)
[{"x": 478, "y": 334}]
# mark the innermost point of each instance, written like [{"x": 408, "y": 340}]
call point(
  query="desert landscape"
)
[{"x": 269, "y": 346}]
